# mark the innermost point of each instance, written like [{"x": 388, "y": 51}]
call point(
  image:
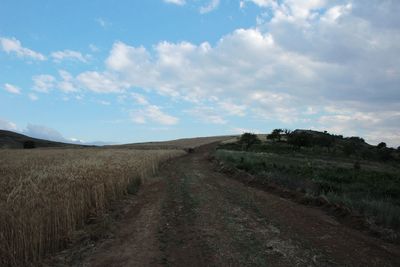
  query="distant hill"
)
[
  {"x": 176, "y": 144},
  {"x": 10, "y": 139}
]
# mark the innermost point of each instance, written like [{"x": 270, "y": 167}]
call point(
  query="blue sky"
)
[{"x": 131, "y": 71}]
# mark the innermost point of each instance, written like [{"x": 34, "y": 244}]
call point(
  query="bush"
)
[
  {"x": 249, "y": 139},
  {"x": 275, "y": 134},
  {"x": 300, "y": 139},
  {"x": 381, "y": 145}
]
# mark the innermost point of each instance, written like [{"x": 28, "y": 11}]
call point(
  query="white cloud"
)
[
  {"x": 140, "y": 99},
  {"x": 233, "y": 109},
  {"x": 104, "y": 103},
  {"x": 43, "y": 83},
  {"x": 212, "y": 5},
  {"x": 207, "y": 115},
  {"x": 7, "y": 125},
  {"x": 154, "y": 114},
  {"x": 242, "y": 64},
  {"x": 59, "y": 56},
  {"x": 138, "y": 116},
  {"x": 33, "y": 97},
  {"x": 123, "y": 56},
  {"x": 150, "y": 112},
  {"x": 12, "y": 89},
  {"x": 12, "y": 45},
  {"x": 104, "y": 23},
  {"x": 100, "y": 82},
  {"x": 336, "y": 12},
  {"x": 310, "y": 111},
  {"x": 94, "y": 48},
  {"x": 176, "y": 2},
  {"x": 242, "y": 61},
  {"x": 68, "y": 83}
]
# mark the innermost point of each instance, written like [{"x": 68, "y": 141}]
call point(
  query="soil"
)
[{"x": 193, "y": 215}]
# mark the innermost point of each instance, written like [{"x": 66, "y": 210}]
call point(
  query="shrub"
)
[
  {"x": 300, "y": 139},
  {"x": 276, "y": 134},
  {"x": 381, "y": 145},
  {"x": 248, "y": 139}
]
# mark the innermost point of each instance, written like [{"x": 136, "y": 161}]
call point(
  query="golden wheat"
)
[{"x": 46, "y": 194}]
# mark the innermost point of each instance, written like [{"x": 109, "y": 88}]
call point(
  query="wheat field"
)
[{"x": 46, "y": 194}]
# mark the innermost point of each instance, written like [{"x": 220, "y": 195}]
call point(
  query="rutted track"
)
[{"x": 192, "y": 215}]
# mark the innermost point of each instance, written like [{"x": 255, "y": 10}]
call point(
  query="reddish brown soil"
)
[{"x": 192, "y": 215}]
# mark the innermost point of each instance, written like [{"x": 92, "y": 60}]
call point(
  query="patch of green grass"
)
[
  {"x": 383, "y": 211},
  {"x": 373, "y": 192}
]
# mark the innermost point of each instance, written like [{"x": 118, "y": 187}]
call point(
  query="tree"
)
[
  {"x": 381, "y": 145},
  {"x": 249, "y": 139},
  {"x": 275, "y": 134},
  {"x": 287, "y": 131},
  {"x": 300, "y": 139}
]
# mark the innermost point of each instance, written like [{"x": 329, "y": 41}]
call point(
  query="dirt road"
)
[{"x": 192, "y": 215}]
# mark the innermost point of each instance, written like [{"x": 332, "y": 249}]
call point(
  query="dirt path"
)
[{"x": 192, "y": 215}]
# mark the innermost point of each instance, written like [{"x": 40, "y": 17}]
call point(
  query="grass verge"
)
[{"x": 373, "y": 193}]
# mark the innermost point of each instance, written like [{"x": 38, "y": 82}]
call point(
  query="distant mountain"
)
[{"x": 10, "y": 139}]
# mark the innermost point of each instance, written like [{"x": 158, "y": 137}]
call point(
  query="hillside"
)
[
  {"x": 10, "y": 139},
  {"x": 183, "y": 143}
]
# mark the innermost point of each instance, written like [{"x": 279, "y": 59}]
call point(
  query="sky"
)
[{"x": 132, "y": 71}]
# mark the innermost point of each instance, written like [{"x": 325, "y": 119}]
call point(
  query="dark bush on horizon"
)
[{"x": 248, "y": 139}]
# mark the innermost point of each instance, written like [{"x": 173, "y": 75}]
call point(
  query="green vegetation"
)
[
  {"x": 346, "y": 171},
  {"x": 247, "y": 140}
]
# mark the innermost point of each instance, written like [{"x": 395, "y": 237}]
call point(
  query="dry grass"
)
[
  {"x": 45, "y": 195},
  {"x": 176, "y": 144},
  {"x": 234, "y": 139}
]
